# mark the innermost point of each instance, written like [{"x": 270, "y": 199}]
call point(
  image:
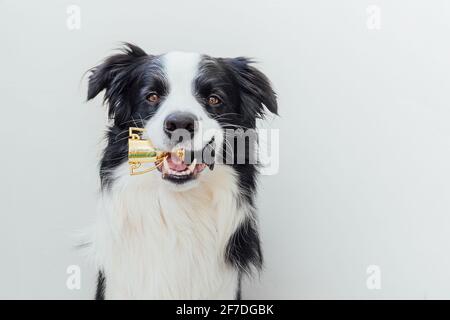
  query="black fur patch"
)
[
  {"x": 244, "y": 90},
  {"x": 127, "y": 78},
  {"x": 239, "y": 288},
  {"x": 101, "y": 285},
  {"x": 243, "y": 250}
]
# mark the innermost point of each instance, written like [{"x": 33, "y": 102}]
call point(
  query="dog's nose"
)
[{"x": 180, "y": 120}]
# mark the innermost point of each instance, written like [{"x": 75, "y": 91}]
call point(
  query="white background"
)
[{"x": 364, "y": 173}]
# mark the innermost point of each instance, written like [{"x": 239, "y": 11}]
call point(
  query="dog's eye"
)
[
  {"x": 153, "y": 97},
  {"x": 214, "y": 100}
]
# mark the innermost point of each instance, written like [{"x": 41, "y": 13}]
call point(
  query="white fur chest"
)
[{"x": 156, "y": 243}]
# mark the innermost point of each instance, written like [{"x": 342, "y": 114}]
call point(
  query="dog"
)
[{"x": 186, "y": 230}]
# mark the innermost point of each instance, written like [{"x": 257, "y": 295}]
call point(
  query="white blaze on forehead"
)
[{"x": 181, "y": 69}]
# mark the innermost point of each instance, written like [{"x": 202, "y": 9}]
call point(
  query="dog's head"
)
[{"x": 184, "y": 100}]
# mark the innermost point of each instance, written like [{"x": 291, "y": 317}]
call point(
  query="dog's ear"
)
[
  {"x": 255, "y": 86},
  {"x": 111, "y": 76}
]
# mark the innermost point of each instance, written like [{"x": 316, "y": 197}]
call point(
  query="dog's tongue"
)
[{"x": 176, "y": 163}]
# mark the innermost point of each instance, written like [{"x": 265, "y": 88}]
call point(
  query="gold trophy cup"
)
[{"x": 141, "y": 151}]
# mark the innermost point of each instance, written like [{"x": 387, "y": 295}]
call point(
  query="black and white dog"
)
[{"x": 185, "y": 231}]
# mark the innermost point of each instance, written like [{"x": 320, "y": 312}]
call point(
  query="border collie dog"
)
[{"x": 187, "y": 230}]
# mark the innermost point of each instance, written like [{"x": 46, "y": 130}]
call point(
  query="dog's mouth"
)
[{"x": 178, "y": 170}]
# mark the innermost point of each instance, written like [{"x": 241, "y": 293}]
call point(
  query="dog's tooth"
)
[
  {"x": 192, "y": 165},
  {"x": 166, "y": 165}
]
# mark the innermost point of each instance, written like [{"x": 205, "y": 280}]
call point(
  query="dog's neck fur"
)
[{"x": 155, "y": 243}]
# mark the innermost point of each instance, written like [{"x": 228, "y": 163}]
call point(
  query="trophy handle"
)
[{"x": 135, "y": 165}]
